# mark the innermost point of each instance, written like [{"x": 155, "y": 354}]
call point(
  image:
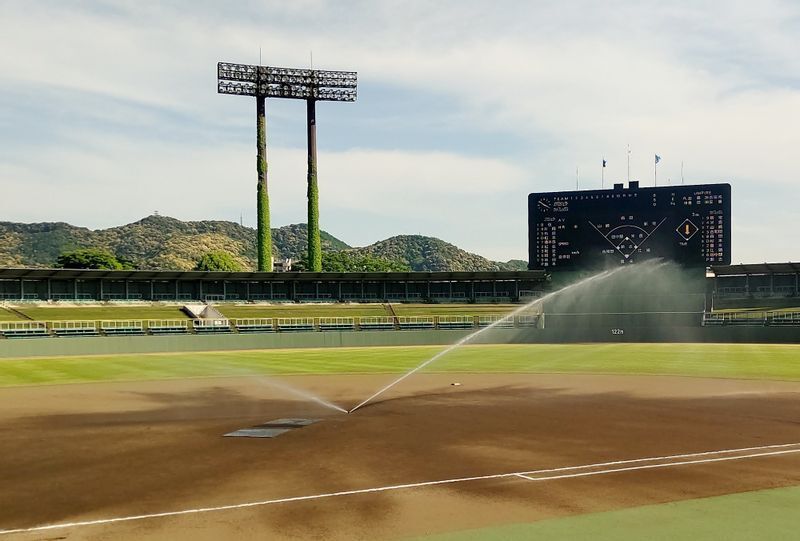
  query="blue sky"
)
[{"x": 109, "y": 111}]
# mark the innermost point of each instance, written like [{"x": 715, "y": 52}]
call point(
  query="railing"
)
[
  {"x": 376, "y": 323},
  {"x": 295, "y": 324},
  {"x": 74, "y": 328},
  {"x": 254, "y": 325},
  {"x": 455, "y": 322},
  {"x": 17, "y": 329},
  {"x": 122, "y": 327},
  {"x": 416, "y": 322},
  {"x": 168, "y": 326},
  {"x": 497, "y": 321},
  {"x": 336, "y": 323},
  {"x": 23, "y": 329},
  {"x": 782, "y": 319},
  {"x": 203, "y": 326}
]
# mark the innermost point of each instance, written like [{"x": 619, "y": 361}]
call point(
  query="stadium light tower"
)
[{"x": 302, "y": 84}]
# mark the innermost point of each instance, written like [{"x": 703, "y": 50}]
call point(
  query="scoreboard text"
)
[{"x": 601, "y": 228}]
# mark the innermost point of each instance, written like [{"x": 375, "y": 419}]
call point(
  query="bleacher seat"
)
[
  {"x": 295, "y": 324},
  {"x": 455, "y": 322},
  {"x": 121, "y": 328},
  {"x": 211, "y": 326},
  {"x": 497, "y": 320},
  {"x": 336, "y": 324},
  {"x": 376, "y": 323},
  {"x": 23, "y": 329},
  {"x": 408, "y": 323},
  {"x": 168, "y": 326},
  {"x": 75, "y": 328},
  {"x": 254, "y": 325}
]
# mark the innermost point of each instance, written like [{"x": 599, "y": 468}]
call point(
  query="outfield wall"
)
[{"x": 98, "y": 345}]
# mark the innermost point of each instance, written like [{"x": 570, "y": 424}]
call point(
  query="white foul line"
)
[{"x": 525, "y": 475}]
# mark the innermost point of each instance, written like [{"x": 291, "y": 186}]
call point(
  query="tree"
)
[
  {"x": 346, "y": 261},
  {"x": 218, "y": 260},
  {"x": 88, "y": 258}
]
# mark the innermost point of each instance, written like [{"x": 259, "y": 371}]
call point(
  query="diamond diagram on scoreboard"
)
[
  {"x": 627, "y": 239},
  {"x": 687, "y": 229}
]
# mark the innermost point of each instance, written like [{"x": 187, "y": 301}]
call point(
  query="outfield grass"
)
[
  {"x": 779, "y": 362},
  {"x": 763, "y": 514}
]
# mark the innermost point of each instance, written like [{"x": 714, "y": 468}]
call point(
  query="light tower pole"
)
[{"x": 311, "y": 85}]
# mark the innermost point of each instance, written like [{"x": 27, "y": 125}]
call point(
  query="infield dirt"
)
[{"x": 96, "y": 451}]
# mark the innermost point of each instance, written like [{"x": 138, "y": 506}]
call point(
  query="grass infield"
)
[{"x": 753, "y": 361}]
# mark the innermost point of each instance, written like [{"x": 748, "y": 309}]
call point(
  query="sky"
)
[{"x": 109, "y": 112}]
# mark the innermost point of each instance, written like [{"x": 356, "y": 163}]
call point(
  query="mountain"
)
[
  {"x": 156, "y": 242},
  {"x": 161, "y": 242},
  {"x": 432, "y": 254}
]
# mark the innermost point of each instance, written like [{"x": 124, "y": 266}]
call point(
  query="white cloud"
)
[{"x": 717, "y": 89}]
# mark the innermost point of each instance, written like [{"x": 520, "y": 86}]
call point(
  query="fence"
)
[
  {"x": 786, "y": 319},
  {"x": 32, "y": 329}
]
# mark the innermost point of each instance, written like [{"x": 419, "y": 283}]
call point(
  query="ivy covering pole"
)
[
  {"x": 301, "y": 84},
  {"x": 264, "y": 233},
  {"x": 314, "y": 244}
]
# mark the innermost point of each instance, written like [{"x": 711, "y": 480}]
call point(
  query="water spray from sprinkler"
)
[{"x": 470, "y": 337}]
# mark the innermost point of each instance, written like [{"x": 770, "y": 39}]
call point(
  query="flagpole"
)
[
  {"x": 629, "y": 163},
  {"x": 681, "y": 172},
  {"x": 655, "y": 171},
  {"x": 603, "y": 175},
  {"x": 576, "y": 178}
]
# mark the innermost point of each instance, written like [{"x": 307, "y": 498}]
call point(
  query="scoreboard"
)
[{"x": 589, "y": 229}]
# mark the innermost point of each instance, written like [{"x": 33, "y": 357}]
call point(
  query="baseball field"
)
[{"x": 581, "y": 441}]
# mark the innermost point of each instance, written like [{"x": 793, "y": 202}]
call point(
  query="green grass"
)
[
  {"x": 235, "y": 311},
  {"x": 763, "y": 514},
  {"x": 5, "y": 315},
  {"x": 302, "y": 310},
  {"x": 779, "y": 362},
  {"x": 62, "y": 313},
  {"x": 452, "y": 309}
]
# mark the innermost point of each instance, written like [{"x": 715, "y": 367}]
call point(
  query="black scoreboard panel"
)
[{"x": 602, "y": 228}]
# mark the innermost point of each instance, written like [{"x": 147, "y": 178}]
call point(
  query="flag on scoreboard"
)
[
  {"x": 604, "y": 163},
  {"x": 658, "y": 158}
]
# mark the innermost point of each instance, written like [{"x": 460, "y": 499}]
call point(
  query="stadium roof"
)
[
  {"x": 757, "y": 268},
  {"x": 93, "y": 274}
]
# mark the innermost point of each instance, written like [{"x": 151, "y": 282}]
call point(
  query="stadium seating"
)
[
  {"x": 376, "y": 323},
  {"x": 209, "y": 326},
  {"x": 528, "y": 321},
  {"x": 499, "y": 320},
  {"x": 295, "y": 324},
  {"x": 168, "y": 326},
  {"x": 23, "y": 329},
  {"x": 455, "y": 322},
  {"x": 336, "y": 324},
  {"x": 415, "y": 322},
  {"x": 254, "y": 325},
  {"x": 75, "y": 328},
  {"x": 785, "y": 319},
  {"x": 121, "y": 328}
]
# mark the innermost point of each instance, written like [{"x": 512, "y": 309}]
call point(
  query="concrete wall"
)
[
  {"x": 47, "y": 347},
  {"x": 102, "y": 345}
]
